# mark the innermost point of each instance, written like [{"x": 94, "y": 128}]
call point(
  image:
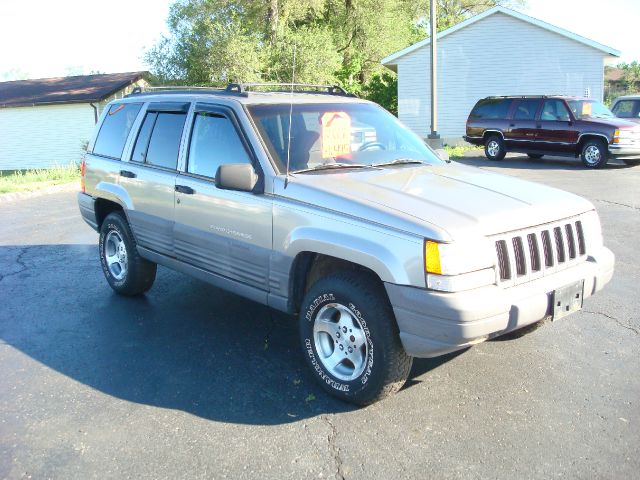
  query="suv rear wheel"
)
[
  {"x": 350, "y": 338},
  {"x": 125, "y": 270},
  {"x": 494, "y": 147},
  {"x": 594, "y": 153}
]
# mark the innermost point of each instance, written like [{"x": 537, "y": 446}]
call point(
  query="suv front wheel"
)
[
  {"x": 594, "y": 153},
  {"x": 494, "y": 147},
  {"x": 125, "y": 270},
  {"x": 350, "y": 338}
]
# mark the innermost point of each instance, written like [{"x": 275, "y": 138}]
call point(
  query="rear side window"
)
[
  {"x": 115, "y": 129},
  {"x": 491, "y": 108},
  {"x": 214, "y": 141},
  {"x": 158, "y": 141},
  {"x": 526, "y": 109}
]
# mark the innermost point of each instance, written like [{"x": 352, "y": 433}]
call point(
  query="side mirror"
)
[
  {"x": 236, "y": 176},
  {"x": 442, "y": 154}
]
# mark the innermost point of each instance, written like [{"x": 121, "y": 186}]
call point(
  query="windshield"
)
[
  {"x": 589, "y": 108},
  {"x": 337, "y": 135}
]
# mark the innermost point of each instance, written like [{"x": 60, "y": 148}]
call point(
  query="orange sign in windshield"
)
[
  {"x": 336, "y": 134},
  {"x": 586, "y": 109}
]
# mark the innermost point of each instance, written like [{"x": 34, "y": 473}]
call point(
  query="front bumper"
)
[
  {"x": 435, "y": 323},
  {"x": 631, "y": 151}
]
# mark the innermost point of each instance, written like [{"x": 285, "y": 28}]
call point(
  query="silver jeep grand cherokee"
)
[{"x": 324, "y": 206}]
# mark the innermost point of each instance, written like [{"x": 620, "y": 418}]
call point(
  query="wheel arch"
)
[
  {"x": 104, "y": 207},
  {"x": 488, "y": 133},
  {"x": 585, "y": 137},
  {"x": 308, "y": 267}
]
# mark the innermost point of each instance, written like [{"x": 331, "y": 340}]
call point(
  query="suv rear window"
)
[
  {"x": 115, "y": 129},
  {"x": 491, "y": 108}
]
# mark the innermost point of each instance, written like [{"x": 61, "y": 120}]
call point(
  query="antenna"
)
[{"x": 293, "y": 81}]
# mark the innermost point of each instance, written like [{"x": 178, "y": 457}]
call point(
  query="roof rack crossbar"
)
[{"x": 245, "y": 87}]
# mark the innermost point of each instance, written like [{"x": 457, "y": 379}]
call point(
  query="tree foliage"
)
[{"x": 213, "y": 42}]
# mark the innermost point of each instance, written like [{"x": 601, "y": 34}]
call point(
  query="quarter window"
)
[
  {"x": 214, "y": 142},
  {"x": 491, "y": 108},
  {"x": 115, "y": 129},
  {"x": 526, "y": 109}
]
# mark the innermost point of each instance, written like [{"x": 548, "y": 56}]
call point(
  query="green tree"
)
[{"x": 213, "y": 42}]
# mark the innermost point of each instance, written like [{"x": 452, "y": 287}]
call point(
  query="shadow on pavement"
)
[
  {"x": 185, "y": 345},
  {"x": 545, "y": 163}
]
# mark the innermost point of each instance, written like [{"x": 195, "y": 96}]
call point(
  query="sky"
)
[{"x": 49, "y": 38}]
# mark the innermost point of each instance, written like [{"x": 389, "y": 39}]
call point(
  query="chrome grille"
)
[{"x": 533, "y": 253}]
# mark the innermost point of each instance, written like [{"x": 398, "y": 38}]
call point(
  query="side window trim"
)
[{"x": 139, "y": 130}]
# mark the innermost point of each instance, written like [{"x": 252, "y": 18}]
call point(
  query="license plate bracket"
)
[{"x": 567, "y": 299}]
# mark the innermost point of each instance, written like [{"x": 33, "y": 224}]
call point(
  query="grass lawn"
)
[
  {"x": 28, "y": 180},
  {"x": 459, "y": 151}
]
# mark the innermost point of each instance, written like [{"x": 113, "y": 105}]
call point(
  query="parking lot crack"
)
[
  {"x": 623, "y": 325},
  {"x": 620, "y": 204},
  {"x": 333, "y": 448},
  {"x": 19, "y": 260}
]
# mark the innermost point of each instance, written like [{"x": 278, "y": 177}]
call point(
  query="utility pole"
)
[{"x": 434, "y": 139}]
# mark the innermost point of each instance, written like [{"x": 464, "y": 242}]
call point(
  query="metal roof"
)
[{"x": 61, "y": 90}]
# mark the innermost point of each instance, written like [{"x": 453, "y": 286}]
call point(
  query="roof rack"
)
[
  {"x": 533, "y": 96},
  {"x": 175, "y": 89},
  {"x": 243, "y": 89}
]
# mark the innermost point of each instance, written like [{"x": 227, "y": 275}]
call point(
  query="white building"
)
[
  {"x": 498, "y": 52},
  {"x": 46, "y": 122}
]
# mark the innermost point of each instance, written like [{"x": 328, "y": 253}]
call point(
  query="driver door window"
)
[
  {"x": 554, "y": 110},
  {"x": 214, "y": 141}
]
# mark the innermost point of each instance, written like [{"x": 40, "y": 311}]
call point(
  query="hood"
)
[
  {"x": 443, "y": 202},
  {"x": 614, "y": 122},
  {"x": 635, "y": 121}
]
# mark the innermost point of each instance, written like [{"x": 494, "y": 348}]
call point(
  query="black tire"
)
[
  {"x": 132, "y": 274},
  {"x": 534, "y": 156},
  {"x": 594, "y": 153},
  {"x": 352, "y": 299},
  {"x": 494, "y": 147}
]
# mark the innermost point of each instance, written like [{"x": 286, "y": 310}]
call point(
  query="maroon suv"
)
[{"x": 552, "y": 125}]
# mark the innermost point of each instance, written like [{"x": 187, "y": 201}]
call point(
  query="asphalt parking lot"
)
[{"x": 193, "y": 382}]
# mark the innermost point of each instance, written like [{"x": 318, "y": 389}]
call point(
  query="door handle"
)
[
  {"x": 538, "y": 125},
  {"x": 512, "y": 124},
  {"x": 127, "y": 173},
  {"x": 184, "y": 189}
]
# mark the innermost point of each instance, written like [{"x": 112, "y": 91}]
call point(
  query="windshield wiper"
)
[
  {"x": 331, "y": 166},
  {"x": 399, "y": 161}
]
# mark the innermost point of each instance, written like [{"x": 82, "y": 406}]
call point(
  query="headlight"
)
[
  {"x": 459, "y": 266},
  {"x": 458, "y": 257},
  {"x": 623, "y": 136}
]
